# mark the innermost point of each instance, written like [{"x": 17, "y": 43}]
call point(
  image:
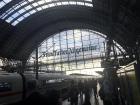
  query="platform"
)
[{"x": 81, "y": 101}]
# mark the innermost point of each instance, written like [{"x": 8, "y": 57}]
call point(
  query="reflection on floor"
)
[{"x": 98, "y": 101}]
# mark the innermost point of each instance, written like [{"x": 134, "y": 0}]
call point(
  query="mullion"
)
[
  {"x": 67, "y": 49},
  {"x": 82, "y": 47},
  {"x": 91, "y": 50},
  {"x": 75, "y": 47}
]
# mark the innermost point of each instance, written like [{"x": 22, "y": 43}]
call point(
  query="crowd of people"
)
[
  {"x": 80, "y": 93},
  {"x": 84, "y": 90},
  {"x": 107, "y": 93}
]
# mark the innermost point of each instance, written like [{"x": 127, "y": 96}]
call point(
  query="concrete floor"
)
[{"x": 98, "y": 101}]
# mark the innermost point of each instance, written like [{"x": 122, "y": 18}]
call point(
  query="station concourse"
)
[{"x": 70, "y": 52}]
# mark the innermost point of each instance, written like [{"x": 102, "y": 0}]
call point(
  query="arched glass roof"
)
[{"x": 21, "y": 10}]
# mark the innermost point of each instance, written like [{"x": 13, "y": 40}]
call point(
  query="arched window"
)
[{"x": 74, "y": 51}]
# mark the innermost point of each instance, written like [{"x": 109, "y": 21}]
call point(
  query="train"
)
[
  {"x": 129, "y": 89},
  {"x": 15, "y": 87}
]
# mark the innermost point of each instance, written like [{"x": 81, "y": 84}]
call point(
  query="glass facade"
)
[{"x": 73, "y": 51}]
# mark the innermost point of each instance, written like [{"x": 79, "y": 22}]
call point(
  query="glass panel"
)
[
  {"x": 80, "y": 65},
  {"x": 89, "y": 64},
  {"x": 73, "y": 66}
]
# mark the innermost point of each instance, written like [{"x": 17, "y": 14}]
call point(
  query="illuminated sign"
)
[{"x": 68, "y": 51}]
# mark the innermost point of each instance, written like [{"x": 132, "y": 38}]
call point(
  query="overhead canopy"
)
[{"x": 26, "y": 23}]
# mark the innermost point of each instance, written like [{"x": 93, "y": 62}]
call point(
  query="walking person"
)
[
  {"x": 95, "y": 88},
  {"x": 74, "y": 94},
  {"x": 87, "y": 93}
]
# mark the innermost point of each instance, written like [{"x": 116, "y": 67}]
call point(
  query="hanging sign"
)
[{"x": 68, "y": 51}]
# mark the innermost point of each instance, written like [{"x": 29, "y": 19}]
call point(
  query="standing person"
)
[
  {"x": 105, "y": 93},
  {"x": 74, "y": 94},
  {"x": 87, "y": 93},
  {"x": 102, "y": 94},
  {"x": 81, "y": 90},
  {"x": 95, "y": 88},
  {"x": 80, "y": 87}
]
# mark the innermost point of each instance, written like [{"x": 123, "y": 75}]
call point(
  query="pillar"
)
[
  {"x": 23, "y": 66},
  {"x": 36, "y": 64}
]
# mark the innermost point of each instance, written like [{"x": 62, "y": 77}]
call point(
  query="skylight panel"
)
[
  {"x": 21, "y": 11},
  {"x": 30, "y": 0},
  {"x": 45, "y": 6},
  {"x": 89, "y": 0},
  {"x": 48, "y": 0},
  {"x": 72, "y": 2},
  {"x": 89, "y": 5},
  {"x": 26, "y": 15},
  {"x": 2, "y": 4},
  {"x": 51, "y": 5},
  {"x": 9, "y": 19},
  {"x": 6, "y": 1},
  {"x": 15, "y": 15},
  {"x": 35, "y": 4},
  {"x": 65, "y": 3},
  {"x": 28, "y": 7},
  {"x": 16, "y": 7},
  {"x": 41, "y": 2},
  {"x": 39, "y": 8},
  {"x": 21, "y": 18},
  {"x": 15, "y": 23},
  {"x": 59, "y": 3},
  {"x": 4, "y": 15},
  {"x": 32, "y": 12},
  {"x": 25, "y": 2},
  {"x": 80, "y": 3}
]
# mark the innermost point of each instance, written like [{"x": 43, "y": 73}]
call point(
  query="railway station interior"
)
[{"x": 70, "y": 52}]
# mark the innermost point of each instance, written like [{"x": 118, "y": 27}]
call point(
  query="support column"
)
[
  {"x": 137, "y": 65},
  {"x": 23, "y": 66},
  {"x": 110, "y": 83},
  {"x": 137, "y": 72},
  {"x": 36, "y": 64}
]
